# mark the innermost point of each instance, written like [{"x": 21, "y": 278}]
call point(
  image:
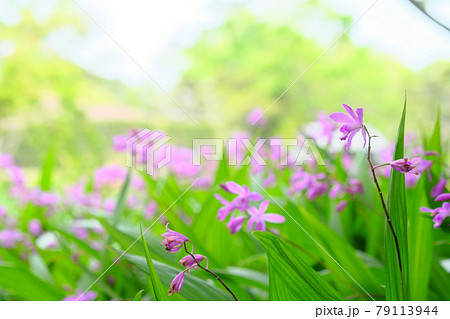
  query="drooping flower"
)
[
  {"x": 189, "y": 262},
  {"x": 177, "y": 283},
  {"x": 259, "y": 218},
  {"x": 439, "y": 214},
  {"x": 404, "y": 165},
  {"x": 80, "y": 296},
  {"x": 173, "y": 240},
  {"x": 439, "y": 188},
  {"x": 353, "y": 123},
  {"x": 235, "y": 223}
]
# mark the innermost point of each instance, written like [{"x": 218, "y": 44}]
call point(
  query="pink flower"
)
[
  {"x": 173, "y": 240},
  {"x": 352, "y": 124},
  {"x": 109, "y": 205},
  {"x": 35, "y": 227},
  {"x": 241, "y": 202},
  {"x": 150, "y": 209},
  {"x": 189, "y": 262},
  {"x": 6, "y": 160},
  {"x": 256, "y": 117},
  {"x": 9, "y": 238},
  {"x": 327, "y": 127},
  {"x": 177, "y": 283},
  {"x": 259, "y": 218},
  {"x": 80, "y": 296},
  {"x": 439, "y": 188},
  {"x": 403, "y": 165},
  {"x": 235, "y": 223},
  {"x": 440, "y": 213},
  {"x": 225, "y": 209}
]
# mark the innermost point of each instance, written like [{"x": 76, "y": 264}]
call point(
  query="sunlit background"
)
[{"x": 75, "y": 73}]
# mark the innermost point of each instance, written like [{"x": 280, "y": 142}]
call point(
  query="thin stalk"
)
[
  {"x": 388, "y": 218},
  {"x": 212, "y": 273}
]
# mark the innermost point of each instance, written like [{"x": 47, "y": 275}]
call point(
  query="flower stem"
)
[
  {"x": 388, "y": 218},
  {"x": 212, "y": 273}
]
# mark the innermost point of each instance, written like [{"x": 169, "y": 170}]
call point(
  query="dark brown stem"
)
[
  {"x": 388, "y": 218},
  {"x": 212, "y": 273}
]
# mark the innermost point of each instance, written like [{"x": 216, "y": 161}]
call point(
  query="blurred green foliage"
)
[{"x": 247, "y": 62}]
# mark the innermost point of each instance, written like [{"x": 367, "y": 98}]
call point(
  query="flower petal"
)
[
  {"x": 351, "y": 112},
  {"x": 274, "y": 218},
  {"x": 363, "y": 132},
  {"x": 341, "y": 118},
  {"x": 235, "y": 188},
  {"x": 443, "y": 197},
  {"x": 260, "y": 225},
  {"x": 350, "y": 138},
  {"x": 253, "y": 211},
  {"x": 360, "y": 113},
  {"x": 263, "y": 206},
  {"x": 255, "y": 197}
]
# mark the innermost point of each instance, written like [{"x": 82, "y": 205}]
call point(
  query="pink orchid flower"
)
[
  {"x": 259, "y": 218},
  {"x": 353, "y": 123},
  {"x": 404, "y": 165},
  {"x": 177, "y": 283},
  {"x": 439, "y": 213},
  {"x": 173, "y": 240},
  {"x": 235, "y": 223},
  {"x": 439, "y": 188}
]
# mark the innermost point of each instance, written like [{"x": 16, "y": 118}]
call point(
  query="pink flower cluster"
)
[
  {"x": 439, "y": 214},
  {"x": 242, "y": 203}
]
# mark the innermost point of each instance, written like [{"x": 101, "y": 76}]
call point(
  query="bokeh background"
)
[{"x": 65, "y": 83}]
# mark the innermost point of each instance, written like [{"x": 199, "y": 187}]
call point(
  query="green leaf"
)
[
  {"x": 122, "y": 198},
  {"x": 396, "y": 206},
  {"x": 420, "y": 241},
  {"x": 302, "y": 282},
  {"x": 22, "y": 283},
  {"x": 193, "y": 288},
  {"x": 138, "y": 296},
  {"x": 156, "y": 288}
]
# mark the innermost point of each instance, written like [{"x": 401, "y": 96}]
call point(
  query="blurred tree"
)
[
  {"x": 247, "y": 62},
  {"x": 40, "y": 97}
]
